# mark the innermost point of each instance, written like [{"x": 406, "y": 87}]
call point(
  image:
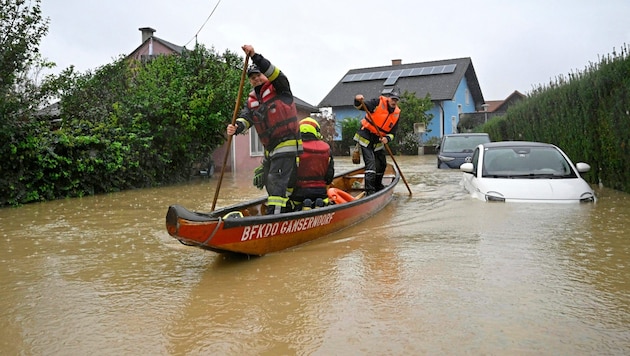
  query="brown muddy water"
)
[{"x": 434, "y": 273}]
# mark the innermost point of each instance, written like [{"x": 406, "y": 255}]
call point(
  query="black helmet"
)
[
  {"x": 253, "y": 69},
  {"x": 393, "y": 93}
]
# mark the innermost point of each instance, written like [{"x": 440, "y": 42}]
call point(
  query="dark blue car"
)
[{"x": 454, "y": 148}]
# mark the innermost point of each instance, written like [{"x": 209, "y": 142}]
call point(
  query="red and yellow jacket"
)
[
  {"x": 314, "y": 161},
  {"x": 274, "y": 120}
]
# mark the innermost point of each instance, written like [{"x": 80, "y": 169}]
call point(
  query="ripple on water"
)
[{"x": 433, "y": 273}]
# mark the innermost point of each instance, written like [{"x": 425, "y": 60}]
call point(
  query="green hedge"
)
[
  {"x": 126, "y": 125},
  {"x": 587, "y": 114}
]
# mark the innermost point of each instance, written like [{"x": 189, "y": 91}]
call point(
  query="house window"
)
[
  {"x": 467, "y": 94},
  {"x": 255, "y": 146}
]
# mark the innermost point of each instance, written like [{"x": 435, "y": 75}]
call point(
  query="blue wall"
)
[
  {"x": 341, "y": 113},
  {"x": 451, "y": 108}
]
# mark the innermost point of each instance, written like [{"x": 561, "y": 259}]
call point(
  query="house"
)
[
  {"x": 152, "y": 46},
  {"x": 52, "y": 113},
  {"x": 491, "y": 108},
  {"x": 501, "y": 106},
  {"x": 452, "y": 85}
]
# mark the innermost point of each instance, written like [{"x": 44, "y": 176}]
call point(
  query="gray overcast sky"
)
[{"x": 514, "y": 45}]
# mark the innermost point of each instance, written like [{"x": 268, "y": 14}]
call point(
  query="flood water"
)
[{"x": 432, "y": 273}]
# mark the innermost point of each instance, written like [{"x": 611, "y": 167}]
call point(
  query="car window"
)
[
  {"x": 549, "y": 161},
  {"x": 528, "y": 162},
  {"x": 498, "y": 161},
  {"x": 464, "y": 143},
  {"x": 475, "y": 160}
]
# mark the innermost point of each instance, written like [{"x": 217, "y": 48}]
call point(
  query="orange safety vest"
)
[
  {"x": 313, "y": 166},
  {"x": 382, "y": 118},
  {"x": 273, "y": 119}
]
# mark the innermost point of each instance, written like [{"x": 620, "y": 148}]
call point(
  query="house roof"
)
[
  {"x": 52, "y": 110},
  {"x": 172, "y": 47},
  {"x": 502, "y": 105},
  {"x": 440, "y": 79},
  {"x": 510, "y": 100},
  {"x": 493, "y": 104},
  {"x": 301, "y": 104}
]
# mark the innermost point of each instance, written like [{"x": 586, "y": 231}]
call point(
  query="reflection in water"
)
[{"x": 436, "y": 272}]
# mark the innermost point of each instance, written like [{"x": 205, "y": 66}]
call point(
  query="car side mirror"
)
[
  {"x": 467, "y": 167},
  {"x": 583, "y": 167}
]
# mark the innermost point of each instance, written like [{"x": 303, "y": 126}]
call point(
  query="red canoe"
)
[{"x": 242, "y": 228}]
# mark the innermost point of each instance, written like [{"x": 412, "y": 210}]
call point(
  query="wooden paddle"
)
[
  {"x": 237, "y": 107},
  {"x": 380, "y": 135}
]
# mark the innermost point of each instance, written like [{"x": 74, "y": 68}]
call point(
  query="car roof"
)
[
  {"x": 499, "y": 144},
  {"x": 467, "y": 134}
]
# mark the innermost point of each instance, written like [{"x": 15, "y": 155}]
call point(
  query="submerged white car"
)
[{"x": 520, "y": 171}]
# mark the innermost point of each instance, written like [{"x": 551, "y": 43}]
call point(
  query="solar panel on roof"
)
[
  {"x": 392, "y": 76},
  {"x": 449, "y": 68},
  {"x": 391, "y": 81}
]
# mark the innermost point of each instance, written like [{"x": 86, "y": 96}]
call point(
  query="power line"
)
[{"x": 205, "y": 22}]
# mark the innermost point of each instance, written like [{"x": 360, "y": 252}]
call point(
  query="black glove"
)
[{"x": 259, "y": 177}]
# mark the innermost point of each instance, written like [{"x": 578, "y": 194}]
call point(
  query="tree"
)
[
  {"x": 125, "y": 125},
  {"x": 349, "y": 127},
  {"x": 412, "y": 110},
  {"x": 185, "y": 102},
  {"x": 21, "y": 30},
  {"x": 147, "y": 123}
]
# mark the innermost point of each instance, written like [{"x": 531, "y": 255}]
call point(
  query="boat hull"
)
[{"x": 242, "y": 229}]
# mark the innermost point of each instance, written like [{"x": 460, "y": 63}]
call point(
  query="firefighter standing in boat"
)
[
  {"x": 376, "y": 130},
  {"x": 270, "y": 108}
]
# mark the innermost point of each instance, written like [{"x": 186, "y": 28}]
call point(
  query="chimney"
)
[
  {"x": 396, "y": 62},
  {"x": 147, "y": 32}
]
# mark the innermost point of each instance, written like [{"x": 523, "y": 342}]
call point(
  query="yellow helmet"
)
[{"x": 310, "y": 125}]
